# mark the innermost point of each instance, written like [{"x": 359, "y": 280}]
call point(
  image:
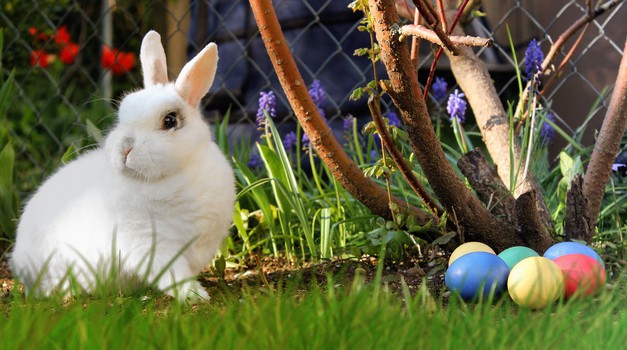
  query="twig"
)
[
  {"x": 329, "y": 149},
  {"x": 415, "y": 43},
  {"x": 431, "y": 19},
  {"x": 472, "y": 6},
  {"x": 608, "y": 143},
  {"x": 442, "y": 16},
  {"x": 424, "y": 33},
  {"x": 397, "y": 157},
  {"x": 439, "y": 53}
]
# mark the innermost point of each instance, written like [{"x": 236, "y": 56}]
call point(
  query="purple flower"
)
[
  {"x": 304, "y": 141},
  {"x": 254, "y": 161},
  {"x": 267, "y": 104},
  {"x": 348, "y": 123},
  {"x": 456, "y": 106},
  {"x": 547, "y": 132},
  {"x": 393, "y": 120},
  {"x": 373, "y": 156},
  {"x": 438, "y": 89},
  {"x": 289, "y": 140},
  {"x": 533, "y": 59},
  {"x": 617, "y": 167},
  {"x": 316, "y": 91}
]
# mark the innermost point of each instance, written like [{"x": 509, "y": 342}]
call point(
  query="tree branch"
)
[
  {"x": 608, "y": 143},
  {"x": 424, "y": 33},
  {"x": 403, "y": 88},
  {"x": 432, "y": 20},
  {"x": 398, "y": 158},
  {"x": 330, "y": 151}
]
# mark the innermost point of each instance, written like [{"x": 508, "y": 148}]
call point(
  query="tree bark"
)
[
  {"x": 486, "y": 182},
  {"x": 577, "y": 221},
  {"x": 608, "y": 143}
]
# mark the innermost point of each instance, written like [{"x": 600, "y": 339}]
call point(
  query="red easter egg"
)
[{"x": 581, "y": 273}]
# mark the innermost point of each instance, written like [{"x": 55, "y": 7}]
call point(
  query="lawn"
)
[{"x": 343, "y": 311}]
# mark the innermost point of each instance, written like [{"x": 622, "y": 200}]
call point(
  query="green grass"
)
[{"x": 323, "y": 318}]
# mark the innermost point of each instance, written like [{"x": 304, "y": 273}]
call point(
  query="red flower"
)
[
  {"x": 37, "y": 35},
  {"x": 68, "y": 53},
  {"x": 118, "y": 62},
  {"x": 40, "y": 58},
  {"x": 62, "y": 36}
]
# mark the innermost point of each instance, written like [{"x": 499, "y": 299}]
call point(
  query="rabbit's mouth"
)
[{"x": 139, "y": 175}]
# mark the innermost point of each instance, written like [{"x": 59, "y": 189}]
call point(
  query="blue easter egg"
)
[
  {"x": 565, "y": 248},
  {"x": 475, "y": 274}
]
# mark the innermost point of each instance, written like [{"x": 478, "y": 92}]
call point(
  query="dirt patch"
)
[{"x": 257, "y": 275}]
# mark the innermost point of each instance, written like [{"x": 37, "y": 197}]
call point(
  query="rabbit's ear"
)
[
  {"x": 197, "y": 75},
  {"x": 152, "y": 57}
]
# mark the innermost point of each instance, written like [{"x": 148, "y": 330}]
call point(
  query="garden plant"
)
[{"x": 360, "y": 221}]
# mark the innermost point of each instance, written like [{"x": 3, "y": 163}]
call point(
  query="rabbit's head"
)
[{"x": 160, "y": 127}]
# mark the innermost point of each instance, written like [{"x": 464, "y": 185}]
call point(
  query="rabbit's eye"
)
[{"x": 170, "y": 121}]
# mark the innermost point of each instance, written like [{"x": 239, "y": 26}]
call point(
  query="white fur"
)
[{"x": 174, "y": 187}]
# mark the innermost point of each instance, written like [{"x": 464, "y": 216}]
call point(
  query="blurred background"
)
[{"x": 72, "y": 60}]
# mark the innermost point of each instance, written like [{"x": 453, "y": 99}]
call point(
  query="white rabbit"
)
[{"x": 155, "y": 200}]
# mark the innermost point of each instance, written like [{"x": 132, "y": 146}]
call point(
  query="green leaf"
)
[
  {"x": 445, "y": 238},
  {"x": 69, "y": 155},
  {"x": 221, "y": 132},
  {"x": 93, "y": 131},
  {"x": 566, "y": 163},
  {"x": 8, "y": 197},
  {"x": 356, "y": 94}
]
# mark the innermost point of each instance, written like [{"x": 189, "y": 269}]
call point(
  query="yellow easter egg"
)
[
  {"x": 535, "y": 282},
  {"x": 469, "y": 247}
]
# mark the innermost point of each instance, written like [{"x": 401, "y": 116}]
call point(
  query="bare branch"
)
[
  {"x": 608, "y": 142},
  {"x": 398, "y": 158},
  {"x": 427, "y": 34},
  {"x": 431, "y": 19}
]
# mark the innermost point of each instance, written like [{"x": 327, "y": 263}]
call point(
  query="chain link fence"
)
[{"x": 73, "y": 60}]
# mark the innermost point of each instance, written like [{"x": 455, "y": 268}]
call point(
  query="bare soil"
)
[{"x": 263, "y": 274}]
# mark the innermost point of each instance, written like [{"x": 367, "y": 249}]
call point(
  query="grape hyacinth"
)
[
  {"x": 348, "y": 123},
  {"x": 533, "y": 60},
  {"x": 289, "y": 141},
  {"x": 456, "y": 106},
  {"x": 547, "y": 132},
  {"x": 254, "y": 161},
  {"x": 373, "y": 156},
  {"x": 393, "y": 120},
  {"x": 316, "y": 91},
  {"x": 267, "y": 104},
  {"x": 438, "y": 89},
  {"x": 305, "y": 141}
]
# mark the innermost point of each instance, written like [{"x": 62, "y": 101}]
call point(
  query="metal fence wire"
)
[{"x": 57, "y": 51}]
